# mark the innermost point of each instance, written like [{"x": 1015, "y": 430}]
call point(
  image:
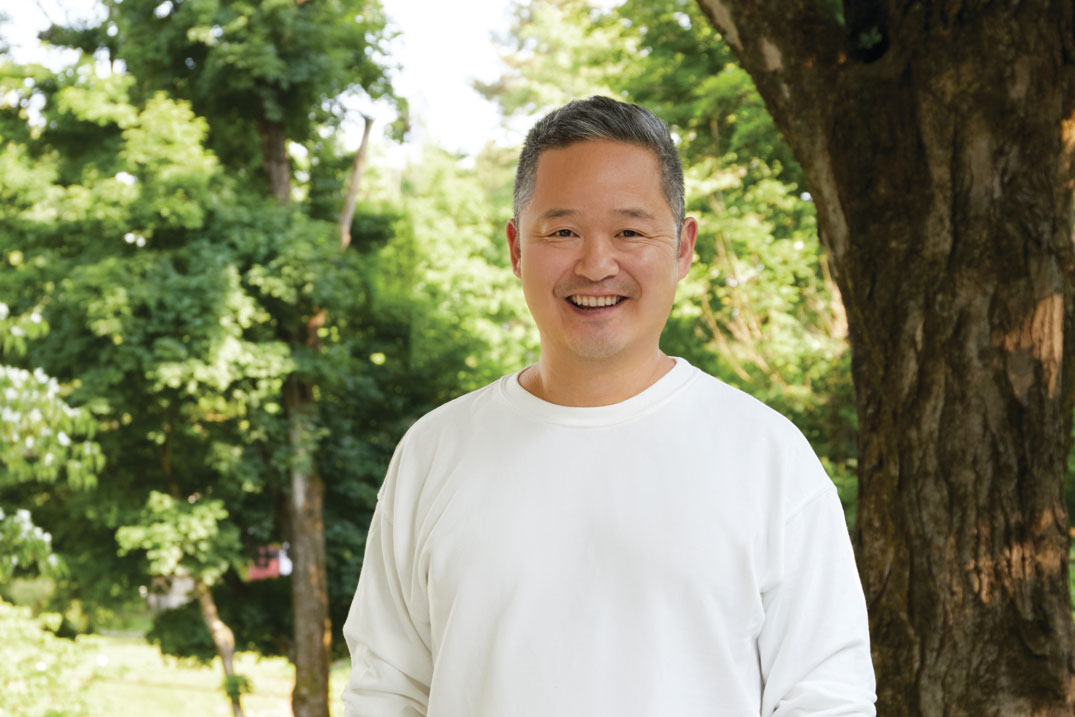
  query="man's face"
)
[{"x": 597, "y": 253}]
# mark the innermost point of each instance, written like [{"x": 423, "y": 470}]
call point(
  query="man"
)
[{"x": 609, "y": 531}]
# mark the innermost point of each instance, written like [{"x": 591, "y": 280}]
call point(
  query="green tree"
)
[
  {"x": 192, "y": 539},
  {"x": 110, "y": 203},
  {"x": 39, "y": 431},
  {"x": 265, "y": 73}
]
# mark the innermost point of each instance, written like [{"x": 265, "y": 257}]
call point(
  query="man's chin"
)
[{"x": 597, "y": 349}]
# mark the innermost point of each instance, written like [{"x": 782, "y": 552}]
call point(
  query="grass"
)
[
  {"x": 136, "y": 679},
  {"x": 115, "y": 676}
]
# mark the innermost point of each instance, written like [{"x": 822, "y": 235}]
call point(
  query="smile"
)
[{"x": 594, "y": 301}]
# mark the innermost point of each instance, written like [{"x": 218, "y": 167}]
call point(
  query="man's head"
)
[
  {"x": 594, "y": 119},
  {"x": 599, "y": 238}
]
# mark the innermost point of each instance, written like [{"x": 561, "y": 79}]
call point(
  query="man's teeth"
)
[{"x": 595, "y": 300}]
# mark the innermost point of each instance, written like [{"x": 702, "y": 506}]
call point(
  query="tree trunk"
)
[
  {"x": 312, "y": 627},
  {"x": 348, "y": 212},
  {"x": 274, "y": 156},
  {"x": 309, "y": 584},
  {"x": 937, "y": 143},
  {"x": 222, "y": 637}
]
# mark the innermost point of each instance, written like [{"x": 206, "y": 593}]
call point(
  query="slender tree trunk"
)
[
  {"x": 222, "y": 637},
  {"x": 274, "y": 156},
  {"x": 312, "y": 628},
  {"x": 348, "y": 212},
  {"x": 305, "y": 509},
  {"x": 309, "y": 583},
  {"x": 937, "y": 144}
]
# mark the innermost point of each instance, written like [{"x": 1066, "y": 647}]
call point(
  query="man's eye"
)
[
  {"x": 630, "y": 233},
  {"x": 563, "y": 233}
]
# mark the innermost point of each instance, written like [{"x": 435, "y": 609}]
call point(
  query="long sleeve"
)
[
  {"x": 814, "y": 645},
  {"x": 387, "y": 628}
]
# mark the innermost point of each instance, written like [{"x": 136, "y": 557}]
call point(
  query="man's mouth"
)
[{"x": 594, "y": 302}]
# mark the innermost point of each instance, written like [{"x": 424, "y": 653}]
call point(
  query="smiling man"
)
[{"x": 608, "y": 531}]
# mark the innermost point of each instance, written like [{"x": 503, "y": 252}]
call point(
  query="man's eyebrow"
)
[
  {"x": 635, "y": 213},
  {"x": 556, "y": 213}
]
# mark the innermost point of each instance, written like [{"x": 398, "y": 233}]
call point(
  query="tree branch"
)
[
  {"x": 792, "y": 49},
  {"x": 795, "y": 53},
  {"x": 348, "y": 212}
]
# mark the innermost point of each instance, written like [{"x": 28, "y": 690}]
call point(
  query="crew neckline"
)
[{"x": 595, "y": 416}]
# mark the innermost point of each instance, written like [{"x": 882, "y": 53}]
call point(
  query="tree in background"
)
[
  {"x": 937, "y": 140},
  {"x": 192, "y": 540},
  {"x": 39, "y": 432},
  {"x": 265, "y": 73},
  {"x": 109, "y": 207}
]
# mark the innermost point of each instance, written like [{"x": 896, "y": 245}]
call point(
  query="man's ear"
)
[
  {"x": 514, "y": 246},
  {"x": 687, "y": 237}
]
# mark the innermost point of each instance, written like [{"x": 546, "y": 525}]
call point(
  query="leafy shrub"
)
[
  {"x": 41, "y": 675},
  {"x": 181, "y": 632}
]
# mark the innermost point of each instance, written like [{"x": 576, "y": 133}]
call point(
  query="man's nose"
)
[{"x": 598, "y": 259}]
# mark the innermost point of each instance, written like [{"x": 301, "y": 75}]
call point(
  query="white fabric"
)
[{"x": 679, "y": 553}]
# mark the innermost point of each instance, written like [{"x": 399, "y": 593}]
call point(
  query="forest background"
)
[{"x": 216, "y": 322}]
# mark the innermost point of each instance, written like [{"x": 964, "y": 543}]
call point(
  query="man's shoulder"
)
[
  {"x": 723, "y": 404},
  {"x": 760, "y": 440},
  {"x": 458, "y": 413}
]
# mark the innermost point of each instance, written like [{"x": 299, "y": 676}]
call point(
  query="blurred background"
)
[{"x": 197, "y": 325}]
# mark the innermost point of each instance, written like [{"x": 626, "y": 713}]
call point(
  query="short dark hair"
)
[{"x": 601, "y": 118}]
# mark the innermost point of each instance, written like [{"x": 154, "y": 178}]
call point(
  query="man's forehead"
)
[
  {"x": 629, "y": 212},
  {"x": 611, "y": 148}
]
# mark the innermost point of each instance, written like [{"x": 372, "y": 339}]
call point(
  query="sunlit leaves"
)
[
  {"x": 36, "y": 429},
  {"x": 25, "y": 547},
  {"x": 183, "y": 537}
]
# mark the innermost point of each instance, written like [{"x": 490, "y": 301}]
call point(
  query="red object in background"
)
[{"x": 266, "y": 566}]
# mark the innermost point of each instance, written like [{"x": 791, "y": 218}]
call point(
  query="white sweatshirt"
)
[{"x": 679, "y": 553}]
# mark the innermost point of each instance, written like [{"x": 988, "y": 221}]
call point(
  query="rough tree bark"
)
[
  {"x": 222, "y": 637},
  {"x": 937, "y": 139}
]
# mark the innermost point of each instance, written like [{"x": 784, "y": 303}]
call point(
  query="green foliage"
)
[
  {"x": 41, "y": 675},
  {"x": 183, "y": 537},
  {"x": 689, "y": 76},
  {"x": 36, "y": 426},
  {"x": 252, "y": 610},
  {"x": 39, "y": 431},
  {"x": 181, "y": 632},
  {"x": 26, "y": 546},
  {"x": 235, "y": 686},
  {"x": 148, "y": 324},
  {"x": 555, "y": 52},
  {"x": 244, "y": 62}
]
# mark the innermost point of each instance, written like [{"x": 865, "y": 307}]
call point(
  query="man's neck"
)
[{"x": 594, "y": 383}]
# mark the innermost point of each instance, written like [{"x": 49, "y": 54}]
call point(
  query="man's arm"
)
[
  {"x": 387, "y": 629},
  {"x": 815, "y": 644}
]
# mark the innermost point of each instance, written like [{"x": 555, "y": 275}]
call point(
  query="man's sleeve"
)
[
  {"x": 387, "y": 629},
  {"x": 814, "y": 647}
]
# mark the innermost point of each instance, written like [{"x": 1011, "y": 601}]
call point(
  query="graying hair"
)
[{"x": 601, "y": 118}]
